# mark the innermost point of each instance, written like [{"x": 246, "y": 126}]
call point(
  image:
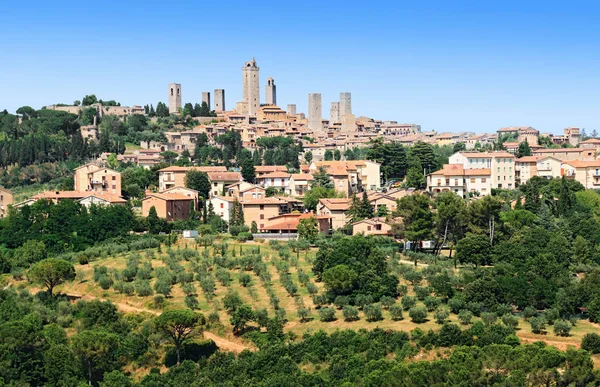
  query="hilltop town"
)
[{"x": 265, "y": 159}]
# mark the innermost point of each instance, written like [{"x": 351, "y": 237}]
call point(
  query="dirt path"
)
[
  {"x": 225, "y": 344},
  {"x": 404, "y": 261}
]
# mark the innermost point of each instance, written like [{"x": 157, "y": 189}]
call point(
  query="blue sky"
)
[{"x": 448, "y": 66}]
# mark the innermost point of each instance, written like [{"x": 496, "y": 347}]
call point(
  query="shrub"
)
[
  {"x": 319, "y": 300},
  {"x": 163, "y": 287},
  {"x": 291, "y": 288},
  {"x": 350, "y": 313},
  {"x": 362, "y": 300},
  {"x": 341, "y": 301},
  {"x": 312, "y": 288},
  {"x": 245, "y": 279},
  {"x": 373, "y": 312},
  {"x": 327, "y": 314},
  {"x": 402, "y": 290},
  {"x": 456, "y": 304},
  {"x": 502, "y": 309},
  {"x": 551, "y": 315},
  {"x": 143, "y": 289},
  {"x": 422, "y": 292},
  {"x": 128, "y": 289},
  {"x": 538, "y": 324},
  {"x": 529, "y": 312},
  {"x": 408, "y": 302},
  {"x": 387, "y": 301},
  {"x": 591, "y": 343},
  {"x": 562, "y": 328},
  {"x": 188, "y": 289},
  {"x": 510, "y": 321},
  {"x": 396, "y": 312},
  {"x": 474, "y": 307},
  {"x": 441, "y": 315},
  {"x": 192, "y": 302},
  {"x": 489, "y": 318},
  {"x": 465, "y": 316},
  {"x": 303, "y": 314},
  {"x": 431, "y": 303},
  {"x": 105, "y": 282},
  {"x": 223, "y": 276},
  {"x": 159, "y": 301},
  {"x": 418, "y": 314}
]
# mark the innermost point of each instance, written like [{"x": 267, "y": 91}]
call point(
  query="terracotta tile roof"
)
[
  {"x": 591, "y": 141},
  {"x": 338, "y": 204},
  {"x": 263, "y": 201},
  {"x": 290, "y": 221},
  {"x": 528, "y": 159},
  {"x": 106, "y": 197},
  {"x": 61, "y": 195},
  {"x": 274, "y": 175},
  {"x": 168, "y": 196},
  {"x": 224, "y": 176},
  {"x": 559, "y": 150},
  {"x": 206, "y": 169},
  {"x": 302, "y": 176},
  {"x": 478, "y": 172},
  {"x": 225, "y": 198},
  {"x": 270, "y": 168},
  {"x": 450, "y": 170},
  {"x": 583, "y": 164}
]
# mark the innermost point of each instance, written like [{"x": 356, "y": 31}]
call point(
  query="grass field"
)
[{"x": 256, "y": 295}]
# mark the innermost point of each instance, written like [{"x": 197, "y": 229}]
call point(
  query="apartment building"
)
[
  {"x": 91, "y": 177},
  {"x": 529, "y": 166},
  {"x": 169, "y": 206},
  {"x": 336, "y": 209},
  {"x": 174, "y": 176},
  {"x": 220, "y": 180},
  {"x": 261, "y": 210},
  {"x": 585, "y": 172},
  {"x": 501, "y": 164}
]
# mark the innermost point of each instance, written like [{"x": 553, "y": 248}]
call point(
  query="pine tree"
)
[
  {"x": 354, "y": 212},
  {"x": 256, "y": 157},
  {"x": 152, "y": 112},
  {"x": 366, "y": 211},
  {"x": 248, "y": 171}
]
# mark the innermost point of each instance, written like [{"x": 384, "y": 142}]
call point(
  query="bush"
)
[
  {"x": 312, "y": 288},
  {"x": 562, "y": 328},
  {"x": 465, "y": 316},
  {"x": 538, "y": 324},
  {"x": 327, "y": 314},
  {"x": 396, "y": 312},
  {"x": 510, "y": 321},
  {"x": 350, "y": 313},
  {"x": 244, "y": 236},
  {"x": 431, "y": 303},
  {"x": 529, "y": 312},
  {"x": 489, "y": 318},
  {"x": 341, "y": 301},
  {"x": 387, "y": 301},
  {"x": 159, "y": 301},
  {"x": 418, "y": 314},
  {"x": 143, "y": 289},
  {"x": 502, "y": 309},
  {"x": 303, "y": 314},
  {"x": 319, "y": 300},
  {"x": 456, "y": 304},
  {"x": 373, "y": 312},
  {"x": 408, "y": 302},
  {"x": 362, "y": 300},
  {"x": 591, "y": 343},
  {"x": 192, "y": 302},
  {"x": 422, "y": 292},
  {"x": 441, "y": 315},
  {"x": 105, "y": 282},
  {"x": 245, "y": 279},
  {"x": 223, "y": 276},
  {"x": 128, "y": 289},
  {"x": 236, "y": 230},
  {"x": 551, "y": 315}
]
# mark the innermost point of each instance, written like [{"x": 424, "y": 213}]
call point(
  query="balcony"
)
[{"x": 544, "y": 168}]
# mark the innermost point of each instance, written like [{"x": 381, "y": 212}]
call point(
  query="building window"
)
[
  {"x": 114, "y": 178},
  {"x": 262, "y": 225},
  {"x": 222, "y": 206},
  {"x": 498, "y": 178},
  {"x": 262, "y": 216},
  {"x": 483, "y": 179},
  {"x": 472, "y": 180},
  {"x": 262, "y": 206},
  {"x": 368, "y": 228}
]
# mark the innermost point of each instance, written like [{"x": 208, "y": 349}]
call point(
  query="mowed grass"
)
[{"x": 256, "y": 295}]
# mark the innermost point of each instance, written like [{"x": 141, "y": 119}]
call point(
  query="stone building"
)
[
  {"x": 219, "y": 100},
  {"x": 174, "y": 98},
  {"x": 291, "y": 109},
  {"x": 6, "y": 199},
  {"x": 271, "y": 92},
  {"x": 345, "y": 104},
  {"x": 206, "y": 98},
  {"x": 315, "y": 112},
  {"x": 251, "y": 87},
  {"x": 334, "y": 113}
]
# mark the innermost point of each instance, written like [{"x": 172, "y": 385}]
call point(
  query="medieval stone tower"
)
[
  {"x": 251, "y": 87},
  {"x": 334, "y": 113},
  {"x": 291, "y": 109},
  {"x": 345, "y": 104},
  {"x": 206, "y": 98},
  {"x": 315, "y": 112},
  {"x": 219, "y": 100},
  {"x": 174, "y": 98},
  {"x": 271, "y": 92}
]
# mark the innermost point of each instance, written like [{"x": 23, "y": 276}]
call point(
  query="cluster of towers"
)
[
  {"x": 340, "y": 112},
  {"x": 175, "y": 99}
]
